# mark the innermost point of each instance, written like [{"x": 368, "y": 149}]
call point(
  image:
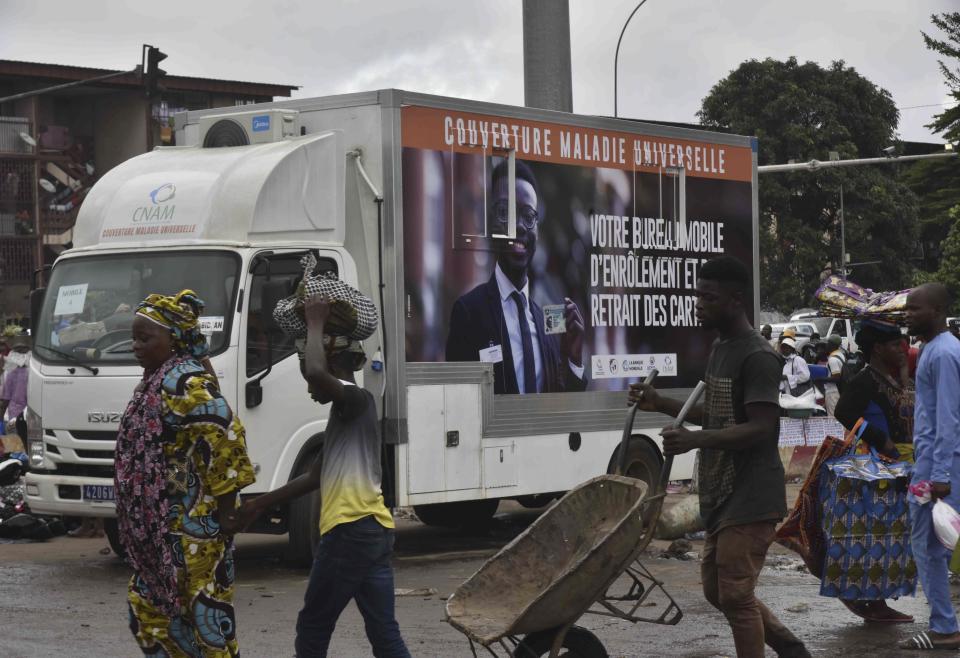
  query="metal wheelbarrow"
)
[{"x": 578, "y": 557}]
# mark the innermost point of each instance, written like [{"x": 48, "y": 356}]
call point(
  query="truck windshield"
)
[{"x": 88, "y": 307}]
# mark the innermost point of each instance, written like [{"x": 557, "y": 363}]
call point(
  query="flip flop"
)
[{"x": 923, "y": 642}]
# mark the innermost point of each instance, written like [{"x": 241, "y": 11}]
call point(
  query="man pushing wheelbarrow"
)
[
  {"x": 526, "y": 599},
  {"x": 741, "y": 478}
]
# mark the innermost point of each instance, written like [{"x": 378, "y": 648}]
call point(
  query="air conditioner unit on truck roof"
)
[{"x": 243, "y": 128}]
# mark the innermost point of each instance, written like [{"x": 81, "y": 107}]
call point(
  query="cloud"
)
[
  {"x": 672, "y": 54},
  {"x": 462, "y": 67}
]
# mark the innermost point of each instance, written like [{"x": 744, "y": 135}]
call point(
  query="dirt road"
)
[{"x": 63, "y": 598}]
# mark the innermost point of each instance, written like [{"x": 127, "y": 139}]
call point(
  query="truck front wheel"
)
[
  {"x": 464, "y": 514},
  {"x": 303, "y": 522}
]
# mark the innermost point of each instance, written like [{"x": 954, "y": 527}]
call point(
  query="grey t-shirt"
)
[{"x": 741, "y": 486}]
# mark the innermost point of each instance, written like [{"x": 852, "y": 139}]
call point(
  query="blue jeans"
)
[
  {"x": 932, "y": 562},
  {"x": 352, "y": 562}
]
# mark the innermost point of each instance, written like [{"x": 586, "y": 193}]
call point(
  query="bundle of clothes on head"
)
[
  {"x": 353, "y": 316},
  {"x": 842, "y": 298}
]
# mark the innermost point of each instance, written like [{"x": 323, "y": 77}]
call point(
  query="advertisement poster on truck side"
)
[{"x": 610, "y": 230}]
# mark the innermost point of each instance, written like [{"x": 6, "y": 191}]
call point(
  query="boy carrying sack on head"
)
[{"x": 352, "y": 560}]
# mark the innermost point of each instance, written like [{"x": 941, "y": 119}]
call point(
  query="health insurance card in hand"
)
[{"x": 555, "y": 319}]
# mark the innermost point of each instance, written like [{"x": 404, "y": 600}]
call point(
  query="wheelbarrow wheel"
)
[{"x": 579, "y": 643}]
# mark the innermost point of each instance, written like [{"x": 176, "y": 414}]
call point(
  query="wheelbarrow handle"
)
[
  {"x": 628, "y": 428},
  {"x": 690, "y": 403}
]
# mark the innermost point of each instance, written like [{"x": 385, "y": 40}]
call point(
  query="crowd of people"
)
[
  {"x": 742, "y": 493},
  {"x": 181, "y": 462}
]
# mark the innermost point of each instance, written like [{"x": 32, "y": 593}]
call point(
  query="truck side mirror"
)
[
  {"x": 36, "y": 306},
  {"x": 253, "y": 394}
]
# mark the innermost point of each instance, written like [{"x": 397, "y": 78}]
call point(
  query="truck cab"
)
[{"x": 240, "y": 260}]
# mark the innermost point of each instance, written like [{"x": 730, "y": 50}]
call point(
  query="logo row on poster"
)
[{"x": 626, "y": 366}]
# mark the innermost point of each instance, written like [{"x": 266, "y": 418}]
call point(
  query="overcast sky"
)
[{"x": 674, "y": 51}]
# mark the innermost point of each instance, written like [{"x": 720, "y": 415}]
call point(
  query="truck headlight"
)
[{"x": 34, "y": 437}]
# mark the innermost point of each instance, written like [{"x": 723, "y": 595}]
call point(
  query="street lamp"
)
[{"x": 616, "y": 55}]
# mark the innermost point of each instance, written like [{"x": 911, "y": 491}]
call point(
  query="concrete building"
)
[{"x": 55, "y": 145}]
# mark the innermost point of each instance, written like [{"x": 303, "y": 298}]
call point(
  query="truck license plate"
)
[{"x": 98, "y": 493}]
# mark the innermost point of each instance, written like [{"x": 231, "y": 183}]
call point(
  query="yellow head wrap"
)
[{"x": 180, "y": 314}]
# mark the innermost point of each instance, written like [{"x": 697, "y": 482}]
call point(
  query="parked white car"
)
[{"x": 826, "y": 326}]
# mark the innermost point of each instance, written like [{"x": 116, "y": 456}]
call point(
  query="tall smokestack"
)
[{"x": 546, "y": 55}]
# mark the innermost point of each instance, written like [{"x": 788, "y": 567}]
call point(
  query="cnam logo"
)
[
  {"x": 163, "y": 193},
  {"x": 158, "y": 210}
]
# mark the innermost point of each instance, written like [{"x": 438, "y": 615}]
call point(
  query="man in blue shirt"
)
[{"x": 936, "y": 441}]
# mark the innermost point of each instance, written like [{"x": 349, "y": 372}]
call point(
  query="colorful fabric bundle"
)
[
  {"x": 352, "y": 314},
  {"x": 864, "y": 518},
  {"x": 801, "y": 531},
  {"x": 840, "y": 298}
]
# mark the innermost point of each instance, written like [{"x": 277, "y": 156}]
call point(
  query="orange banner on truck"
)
[{"x": 466, "y": 132}]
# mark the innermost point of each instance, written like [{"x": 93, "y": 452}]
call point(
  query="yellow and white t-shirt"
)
[{"x": 351, "y": 472}]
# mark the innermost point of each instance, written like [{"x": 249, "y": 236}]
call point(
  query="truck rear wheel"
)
[
  {"x": 643, "y": 462},
  {"x": 303, "y": 522},
  {"x": 464, "y": 514},
  {"x": 112, "y": 531}
]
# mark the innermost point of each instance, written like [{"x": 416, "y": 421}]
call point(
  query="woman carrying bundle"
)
[{"x": 879, "y": 395}]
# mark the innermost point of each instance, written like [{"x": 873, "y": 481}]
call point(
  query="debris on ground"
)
[
  {"x": 786, "y": 563},
  {"x": 680, "y": 549},
  {"x": 799, "y": 608},
  {"x": 420, "y": 591},
  {"x": 404, "y": 513}
]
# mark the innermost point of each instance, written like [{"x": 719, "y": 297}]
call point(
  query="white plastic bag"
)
[
  {"x": 946, "y": 523},
  {"x": 806, "y": 400}
]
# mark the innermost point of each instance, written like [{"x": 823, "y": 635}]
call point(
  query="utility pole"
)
[
  {"x": 547, "y": 81},
  {"x": 815, "y": 165},
  {"x": 843, "y": 239}
]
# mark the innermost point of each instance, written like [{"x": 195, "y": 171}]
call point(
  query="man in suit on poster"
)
[{"x": 498, "y": 322}]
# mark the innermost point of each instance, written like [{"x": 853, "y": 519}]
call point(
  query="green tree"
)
[
  {"x": 948, "y": 121},
  {"x": 937, "y": 182},
  {"x": 937, "y": 186},
  {"x": 949, "y": 271},
  {"x": 804, "y": 111}
]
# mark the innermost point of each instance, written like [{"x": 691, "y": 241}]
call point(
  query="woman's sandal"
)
[
  {"x": 877, "y": 612},
  {"x": 923, "y": 642}
]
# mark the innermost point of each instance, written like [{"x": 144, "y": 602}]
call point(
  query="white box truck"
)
[{"x": 527, "y": 264}]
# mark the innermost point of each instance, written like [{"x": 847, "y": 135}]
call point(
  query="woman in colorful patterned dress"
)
[
  {"x": 180, "y": 460},
  {"x": 880, "y": 396}
]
